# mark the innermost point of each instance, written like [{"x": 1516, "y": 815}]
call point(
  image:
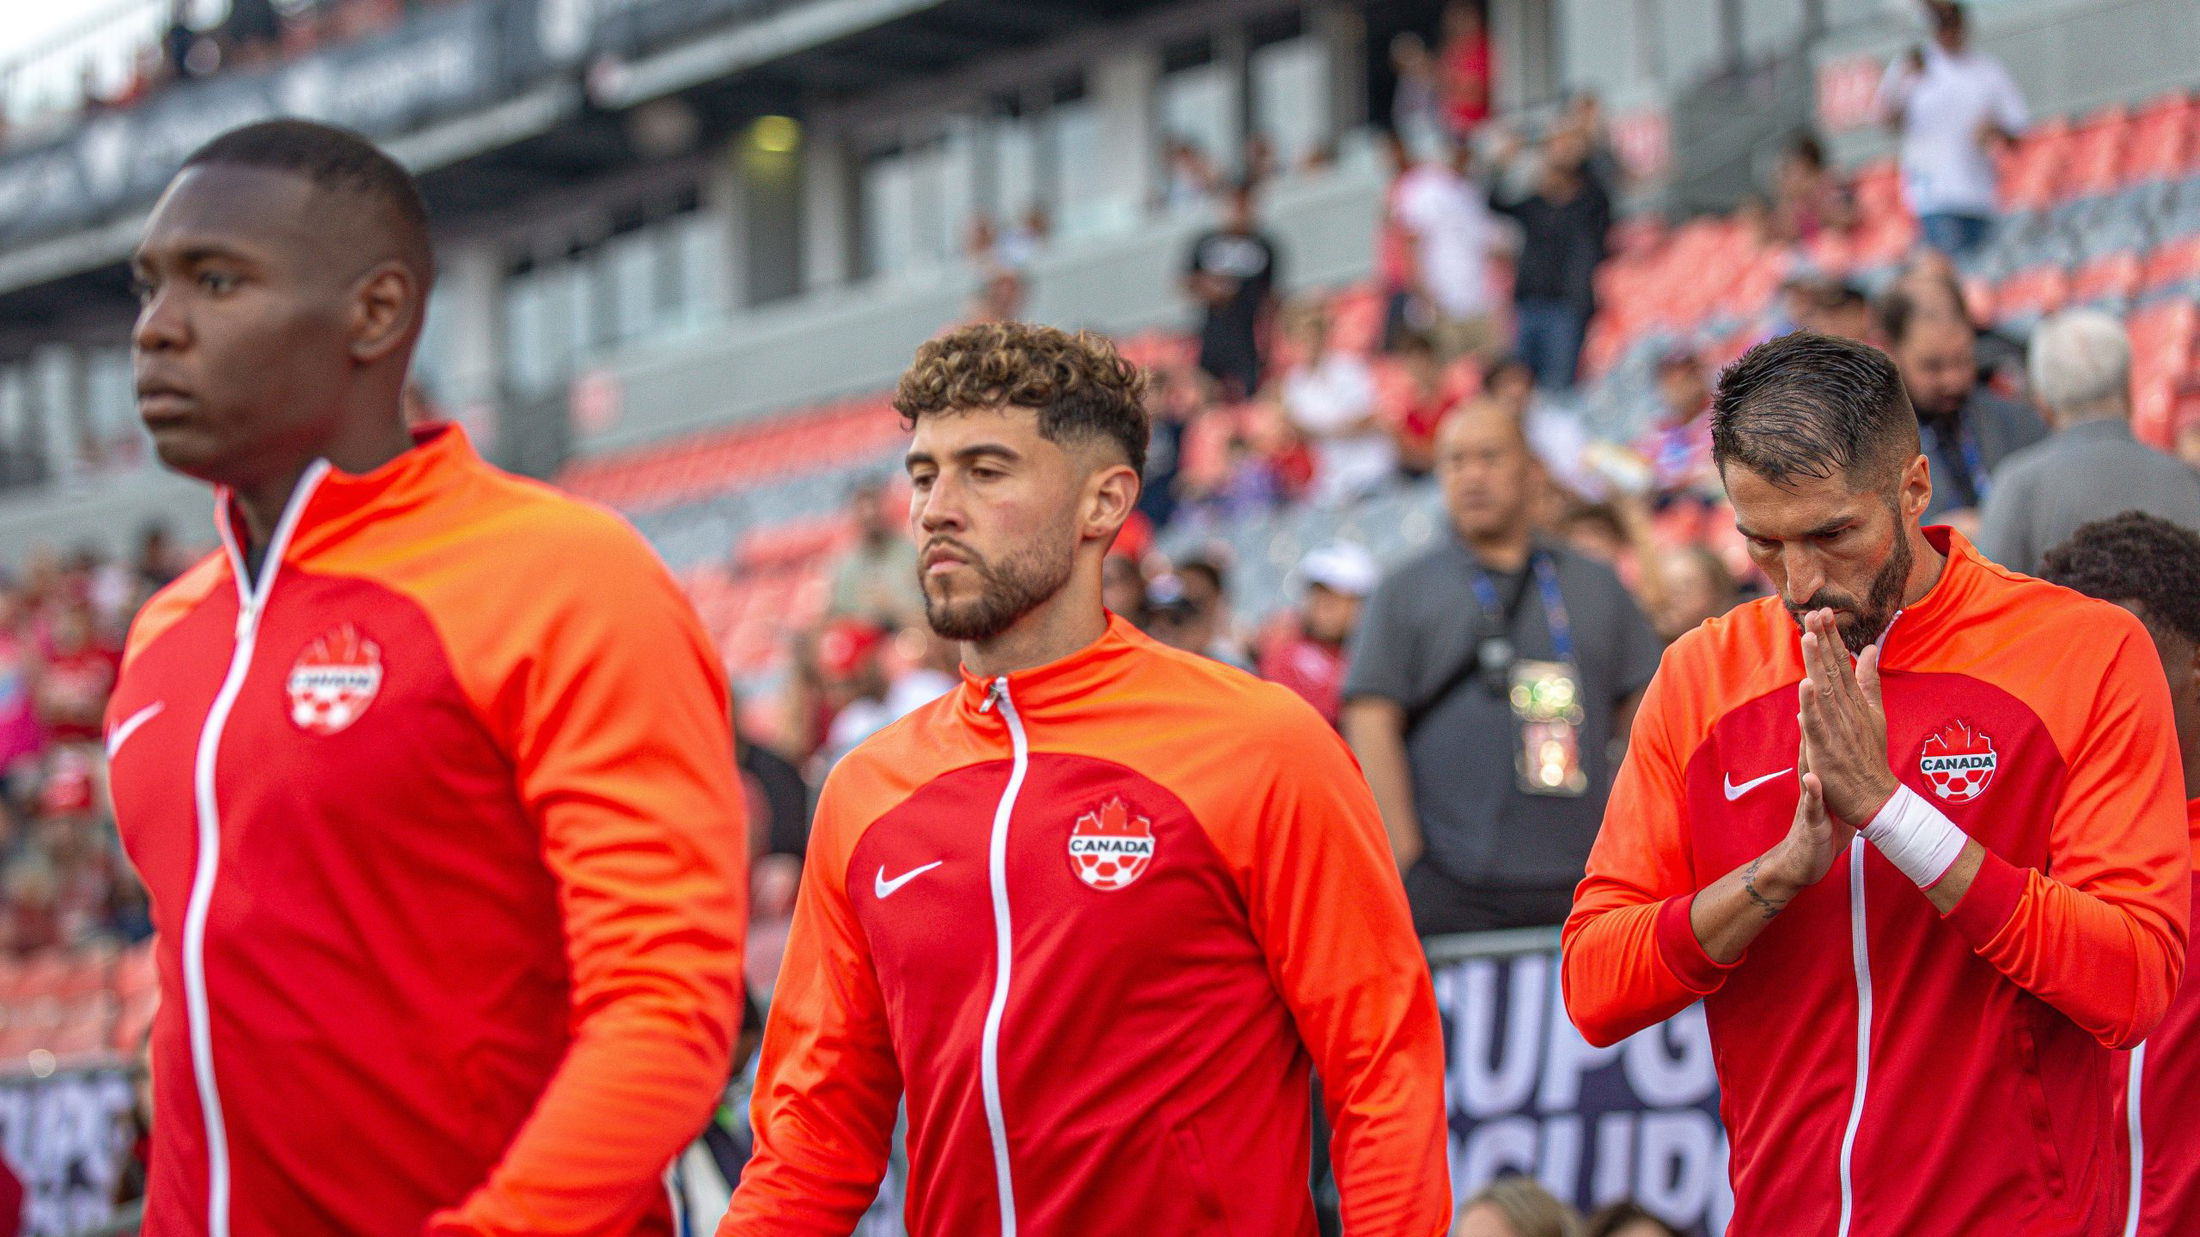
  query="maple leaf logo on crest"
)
[{"x": 1109, "y": 847}]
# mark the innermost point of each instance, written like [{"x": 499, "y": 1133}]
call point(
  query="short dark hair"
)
[
  {"x": 1615, "y": 1217},
  {"x": 1080, "y": 386},
  {"x": 1809, "y": 405},
  {"x": 2134, "y": 557},
  {"x": 336, "y": 160}
]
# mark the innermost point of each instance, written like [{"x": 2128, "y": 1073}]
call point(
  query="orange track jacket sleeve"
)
[
  {"x": 1630, "y": 956},
  {"x": 828, "y": 1086},
  {"x": 1325, "y": 902},
  {"x": 613, "y": 707},
  {"x": 2101, "y": 934}
]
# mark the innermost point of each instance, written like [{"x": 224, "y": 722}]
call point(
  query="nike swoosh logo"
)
[
  {"x": 129, "y": 726},
  {"x": 885, "y": 888},
  {"x": 1734, "y": 792}
]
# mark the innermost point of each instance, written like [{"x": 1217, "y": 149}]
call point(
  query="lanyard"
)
[{"x": 1554, "y": 605}]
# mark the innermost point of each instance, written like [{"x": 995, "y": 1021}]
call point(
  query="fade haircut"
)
[
  {"x": 2135, "y": 557},
  {"x": 1807, "y": 406},
  {"x": 337, "y": 161},
  {"x": 1080, "y": 387}
]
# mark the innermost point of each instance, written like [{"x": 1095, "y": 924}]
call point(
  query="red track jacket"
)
[
  {"x": 1097, "y": 920},
  {"x": 445, "y": 852},
  {"x": 1884, "y": 1070}
]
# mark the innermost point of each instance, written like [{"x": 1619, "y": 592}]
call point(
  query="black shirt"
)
[
  {"x": 786, "y": 796},
  {"x": 1561, "y": 244},
  {"x": 1228, "y": 334}
]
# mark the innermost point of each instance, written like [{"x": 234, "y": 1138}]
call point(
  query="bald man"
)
[
  {"x": 427, "y": 771},
  {"x": 1487, "y": 680}
]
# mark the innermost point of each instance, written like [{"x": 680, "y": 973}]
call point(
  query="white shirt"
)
[
  {"x": 1945, "y": 169},
  {"x": 1453, "y": 235},
  {"x": 1325, "y": 400}
]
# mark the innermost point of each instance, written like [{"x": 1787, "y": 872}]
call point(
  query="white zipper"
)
[
  {"x": 1860, "y": 956},
  {"x": 251, "y": 604},
  {"x": 2138, "y": 1140},
  {"x": 989, "y": 1046}
]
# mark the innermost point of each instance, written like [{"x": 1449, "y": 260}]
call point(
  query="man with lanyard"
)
[
  {"x": 1921, "y": 897},
  {"x": 1488, "y": 680}
]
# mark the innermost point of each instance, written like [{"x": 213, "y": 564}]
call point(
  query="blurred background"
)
[{"x": 687, "y": 245}]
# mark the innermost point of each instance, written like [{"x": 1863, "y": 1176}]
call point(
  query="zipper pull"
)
[
  {"x": 247, "y": 614},
  {"x": 994, "y": 694}
]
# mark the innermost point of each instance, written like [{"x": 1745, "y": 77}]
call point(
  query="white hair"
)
[{"x": 2079, "y": 364}]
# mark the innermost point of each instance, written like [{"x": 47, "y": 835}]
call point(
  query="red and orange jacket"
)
[
  {"x": 1885, "y": 1070},
  {"x": 2165, "y": 1093},
  {"x": 1097, "y": 920},
  {"x": 439, "y": 823}
]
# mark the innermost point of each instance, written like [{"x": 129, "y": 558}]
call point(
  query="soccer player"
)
[
  {"x": 1097, "y": 912},
  {"x": 426, "y": 771},
  {"x": 1912, "y": 1030},
  {"x": 2151, "y": 567}
]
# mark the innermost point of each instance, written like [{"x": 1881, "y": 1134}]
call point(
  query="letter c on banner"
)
[{"x": 1675, "y": 1159}]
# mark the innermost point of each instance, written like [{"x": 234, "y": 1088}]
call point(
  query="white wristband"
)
[{"x": 1915, "y": 837}]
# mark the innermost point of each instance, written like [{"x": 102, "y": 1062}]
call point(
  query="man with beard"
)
[
  {"x": 1966, "y": 429},
  {"x": 1920, "y": 1044},
  {"x": 1098, "y": 913}
]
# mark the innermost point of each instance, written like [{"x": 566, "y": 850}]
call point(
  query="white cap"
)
[{"x": 1341, "y": 566}]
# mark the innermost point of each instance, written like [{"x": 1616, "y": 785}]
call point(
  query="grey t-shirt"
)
[
  {"x": 1420, "y": 624},
  {"x": 2090, "y": 471}
]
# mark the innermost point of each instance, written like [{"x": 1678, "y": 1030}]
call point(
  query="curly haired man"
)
[{"x": 1098, "y": 914}]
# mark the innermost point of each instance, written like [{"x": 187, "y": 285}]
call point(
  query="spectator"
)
[
  {"x": 1584, "y": 118},
  {"x": 1491, "y": 810},
  {"x": 1555, "y": 432},
  {"x": 1123, "y": 588},
  {"x": 1191, "y": 611},
  {"x": 1807, "y": 198},
  {"x": 1417, "y": 116},
  {"x": 1627, "y": 1219},
  {"x": 1394, "y": 267},
  {"x": 877, "y": 578},
  {"x": 779, "y": 800},
  {"x": 1173, "y": 401},
  {"x": 1427, "y": 395},
  {"x": 850, "y": 652},
  {"x": 1828, "y": 306},
  {"x": 1953, "y": 108},
  {"x": 2185, "y": 420},
  {"x": 1967, "y": 431},
  {"x": 1678, "y": 445},
  {"x": 1562, "y": 225},
  {"x": 1000, "y": 297},
  {"x": 1514, "y": 1206},
  {"x": 1306, "y": 652},
  {"x": 2091, "y": 467},
  {"x": 1468, "y": 73},
  {"x": 177, "y": 41},
  {"x": 252, "y": 34},
  {"x": 78, "y": 674},
  {"x": 1233, "y": 276},
  {"x": 1191, "y": 179},
  {"x": 20, "y": 735},
  {"x": 1694, "y": 587},
  {"x": 1447, "y": 237},
  {"x": 1328, "y": 395}
]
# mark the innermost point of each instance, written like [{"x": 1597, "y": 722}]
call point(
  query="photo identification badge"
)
[{"x": 1546, "y": 699}]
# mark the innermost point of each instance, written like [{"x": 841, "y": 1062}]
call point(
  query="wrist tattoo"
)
[{"x": 1749, "y": 886}]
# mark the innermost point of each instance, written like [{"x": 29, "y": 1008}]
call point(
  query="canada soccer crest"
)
[
  {"x": 1109, "y": 847},
  {"x": 1958, "y": 761},
  {"x": 334, "y": 681}
]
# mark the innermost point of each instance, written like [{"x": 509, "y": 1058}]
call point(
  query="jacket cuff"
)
[
  {"x": 1989, "y": 902},
  {"x": 1683, "y": 953}
]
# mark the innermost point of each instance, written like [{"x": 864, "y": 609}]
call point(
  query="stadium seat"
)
[{"x": 2108, "y": 283}]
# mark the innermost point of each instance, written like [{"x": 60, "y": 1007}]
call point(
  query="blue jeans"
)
[
  {"x": 1958, "y": 236},
  {"x": 1550, "y": 340}
]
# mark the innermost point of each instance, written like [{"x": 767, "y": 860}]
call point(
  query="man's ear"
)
[
  {"x": 385, "y": 306},
  {"x": 1111, "y": 496},
  {"x": 1916, "y": 492}
]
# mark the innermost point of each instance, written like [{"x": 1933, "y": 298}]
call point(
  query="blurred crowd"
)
[
  {"x": 63, "y": 880},
  {"x": 250, "y": 34}
]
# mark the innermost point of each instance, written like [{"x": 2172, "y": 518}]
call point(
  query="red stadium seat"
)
[
  {"x": 2112, "y": 279},
  {"x": 1878, "y": 190},
  {"x": 2160, "y": 145},
  {"x": 2031, "y": 294},
  {"x": 2093, "y": 164},
  {"x": 2031, "y": 174}
]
